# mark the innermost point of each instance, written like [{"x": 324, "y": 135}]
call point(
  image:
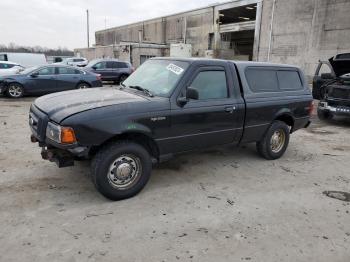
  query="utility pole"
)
[{"x": 87, "y": 27}]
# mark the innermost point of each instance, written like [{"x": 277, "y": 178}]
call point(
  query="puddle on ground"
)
[
  {"x": 321, "y": 132},
  {"x": 343, "y": 196}
]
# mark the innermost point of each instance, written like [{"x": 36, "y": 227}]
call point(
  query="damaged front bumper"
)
[{"x": 61, "y": 155}]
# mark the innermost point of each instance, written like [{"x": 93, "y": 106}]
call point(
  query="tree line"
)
[{"x": 60, "y": 51}]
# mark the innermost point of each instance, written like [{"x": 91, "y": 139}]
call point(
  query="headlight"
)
[{"x": 60, "y": 134}]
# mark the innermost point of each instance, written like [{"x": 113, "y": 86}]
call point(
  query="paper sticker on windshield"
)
[{"x": 175, "y": 69}]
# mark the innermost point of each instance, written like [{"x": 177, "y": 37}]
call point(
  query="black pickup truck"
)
[{"x": 169, "y": 106}]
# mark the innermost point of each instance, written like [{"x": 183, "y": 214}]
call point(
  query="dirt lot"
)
[{"x": 219, "y": 205}]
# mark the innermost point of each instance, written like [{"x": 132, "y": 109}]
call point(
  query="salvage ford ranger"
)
[{"x": 166, "y": 107}]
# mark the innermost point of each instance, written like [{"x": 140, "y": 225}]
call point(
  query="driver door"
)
[
  {"x": 42, "y": 81},
  {"x": 214, "y": 119}
]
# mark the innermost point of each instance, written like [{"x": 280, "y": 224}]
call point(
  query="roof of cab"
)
[{"x": 239, "y": 63}]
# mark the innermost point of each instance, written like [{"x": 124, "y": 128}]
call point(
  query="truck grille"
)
[{"x": 38, "y": 123}]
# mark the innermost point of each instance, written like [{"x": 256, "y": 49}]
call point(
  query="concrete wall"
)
[
  {"x": 304, "y": 31},
  {"x": 170, "y": 29},
  {"x": 99, "y": 52}
]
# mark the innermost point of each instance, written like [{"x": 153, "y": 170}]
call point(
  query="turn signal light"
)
[{"x": 67, "y": 135}]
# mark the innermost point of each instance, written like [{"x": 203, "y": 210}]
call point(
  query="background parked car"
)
[
  {"x": 24, "y": 59},
  {"x": 75, "y": 61},
  {"x": 47, "y": 79},
  {"x": 9, "y": 68},
  {"x": 111, "y": 69}
]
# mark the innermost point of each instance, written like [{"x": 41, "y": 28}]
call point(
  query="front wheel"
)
[
  {"x": 275, "y": 141},
  {"x": 83, "y": 86},
  {"x": 121, "y": 170},
  {"x": 15, "y": 91}
]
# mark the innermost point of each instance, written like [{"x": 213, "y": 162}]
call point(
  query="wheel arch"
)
[
  {"x": 82, "y": 82},
  {"x": 138, "y": 137},
  {"x": 286, "y": 117}
]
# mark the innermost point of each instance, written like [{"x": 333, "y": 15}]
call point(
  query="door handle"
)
[{"x": 230, "y": 109}]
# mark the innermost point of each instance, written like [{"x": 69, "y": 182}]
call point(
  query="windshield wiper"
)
[{"x": 146, "y": 91}]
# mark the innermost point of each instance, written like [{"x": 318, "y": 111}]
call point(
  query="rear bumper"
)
[{"x": 335, "y": 110}]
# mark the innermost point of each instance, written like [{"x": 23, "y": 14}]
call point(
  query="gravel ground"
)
[{"x": 223, "y": 204}]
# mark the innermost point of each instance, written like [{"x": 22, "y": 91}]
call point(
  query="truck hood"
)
[
  {"x": 340, "y": 66},
  {"x": 59, "y": 106}
]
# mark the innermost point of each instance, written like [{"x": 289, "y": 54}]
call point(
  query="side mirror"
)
[
  {"x": 94, "y": 67},
  {"x": 34, "y": 74},
  {"x": 191, "y": 93}
]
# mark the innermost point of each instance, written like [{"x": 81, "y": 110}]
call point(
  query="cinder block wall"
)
[{"x": 305, "y": 31}]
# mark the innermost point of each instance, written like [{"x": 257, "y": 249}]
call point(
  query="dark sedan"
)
[{"x": 47, "y": 79}]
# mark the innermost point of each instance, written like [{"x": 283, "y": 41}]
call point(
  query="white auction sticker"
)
[{"x": 175, "y": 69}]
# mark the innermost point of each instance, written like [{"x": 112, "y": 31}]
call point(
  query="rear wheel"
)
[
  {"x": 121, "y": 170},
  {"x": 83, "y": 86},
  {"x": 15, "y": 90},
  {"x": 275, "y": 141}
]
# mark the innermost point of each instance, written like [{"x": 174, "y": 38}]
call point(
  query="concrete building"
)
[{"x": 285, "y": 31}]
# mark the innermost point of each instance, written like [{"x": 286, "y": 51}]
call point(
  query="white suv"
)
[
  {"x": 75, "y": 61},
  {"x": 9, "y": 68}
]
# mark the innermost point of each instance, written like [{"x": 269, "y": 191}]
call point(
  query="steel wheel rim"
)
[
  {"x": 83, "y": 86},
  {"x": 15, "y": 91},
  {"x": 124, "y": 171},
  {"x": 278, "y": 140}
]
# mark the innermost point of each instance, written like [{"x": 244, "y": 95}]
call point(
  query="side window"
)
[
  {"x": 211, "y": 85},
  {"x": 289, "y": 80},
  {"x": 77, "y": 72},
  {"x": 111, "y": 64},
  {"x": 66, "y": 71},
  {"x": 46, "y": 71},
  {"x": 2, "y": 66},
  {"x": 100, "y": 65},
  {"x": 8, "y": 66},
  {"x": 262, "y": 80},
  {"x": 121, "y": 65},
  {"x": 3, "y": 57}
]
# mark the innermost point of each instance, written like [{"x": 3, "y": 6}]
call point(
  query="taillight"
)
[
  {"x": 98, "y": 77},
  {"x": 310, "y": 108}
]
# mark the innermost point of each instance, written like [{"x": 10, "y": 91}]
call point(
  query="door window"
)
[
  {"x": 121, "y": 65},
  {"x": 100, "y": 65},
  {"x": 111, "y": 65},
  {"x": 46, "y": 71},
  {"x": 66, "y": 71},
  {"x": 211, "y": 85}
]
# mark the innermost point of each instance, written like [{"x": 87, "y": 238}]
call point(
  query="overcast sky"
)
[{"x": 54, "y": 23}]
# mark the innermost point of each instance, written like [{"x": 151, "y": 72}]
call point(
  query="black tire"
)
[
  {"x": 83, "y": 85},
  {"x": 324, "y": 115},
  {"x": 266, "y": 148},
  {"x": 123, "y": 78},
  {"x": 114, "y": 156},
  {"x": 15, "y": 90}
]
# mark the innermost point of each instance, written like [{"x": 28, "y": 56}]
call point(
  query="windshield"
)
[
  {"x": 158, "y": 76},
  {"x": 28, "y": 70}
]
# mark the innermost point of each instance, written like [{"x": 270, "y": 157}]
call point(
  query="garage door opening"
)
[{"x": 237, "y": 29}]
